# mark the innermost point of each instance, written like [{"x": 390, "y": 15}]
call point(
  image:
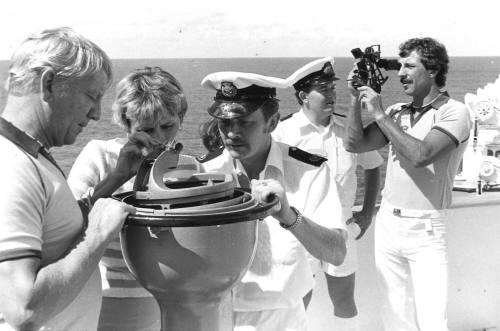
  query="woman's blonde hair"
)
[{"x": 146, "y": 95}]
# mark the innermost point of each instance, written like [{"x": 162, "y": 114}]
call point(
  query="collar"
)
[
  {"x": 303, "y": 121},
  {"x": 20, "y": 138},
  {"x": 27, "y": 143},
  {"x": 301, "y": 118},
  {"x": 440, "y": 100},
  {"x": 274, "y": 160},
  {"x": 437, "y": 103}
]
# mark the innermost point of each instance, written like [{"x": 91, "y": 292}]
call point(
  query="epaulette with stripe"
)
[
  {"x": 306, "y": 157},
  {"x": 209, "y": 156},
  {"x": 286, "y": 117}
]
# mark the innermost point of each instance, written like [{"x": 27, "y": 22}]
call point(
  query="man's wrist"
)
[
  {"x": 380, "y": 116},
  {"x": 86, "y": 198},
  {"x": 298, "y": 218},
  {"x": 368, "y": 210}
]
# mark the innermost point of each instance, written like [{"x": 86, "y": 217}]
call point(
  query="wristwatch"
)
[
  {"x": 86, "y": 198},
  {"x": 297, "y": 221}
]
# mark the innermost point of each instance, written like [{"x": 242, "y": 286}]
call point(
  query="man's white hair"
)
[{"x": 62, "y": 50}]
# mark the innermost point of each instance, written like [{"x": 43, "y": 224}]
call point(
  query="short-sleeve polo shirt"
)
[
  {"x": 430, "y": 186},
  {"x": 39, "y": 218}
]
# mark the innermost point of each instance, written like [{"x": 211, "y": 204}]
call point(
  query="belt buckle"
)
[{"x": 396, "y": 211}]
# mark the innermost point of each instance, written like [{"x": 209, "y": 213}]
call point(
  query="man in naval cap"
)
[
  {"x": 269, "y": 297},
  {"x": 318, "y": 127}
]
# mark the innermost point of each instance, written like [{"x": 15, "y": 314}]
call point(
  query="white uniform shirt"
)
[
  {"x": 328, "y": 142},
  {"x": 280, "y": 273}
]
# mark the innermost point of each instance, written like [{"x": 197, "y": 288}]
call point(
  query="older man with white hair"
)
[{"x": 49, "y": 245}]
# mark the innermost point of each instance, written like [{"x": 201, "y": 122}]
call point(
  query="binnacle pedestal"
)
[
  {"x": 192, "y": 238},
  {"x": 190, "y": 271}
]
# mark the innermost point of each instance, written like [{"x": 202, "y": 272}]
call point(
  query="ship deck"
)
[{"x": 474, "y": 264}]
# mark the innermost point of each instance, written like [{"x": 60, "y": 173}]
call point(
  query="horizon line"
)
[{"x": 257, "y": 57}]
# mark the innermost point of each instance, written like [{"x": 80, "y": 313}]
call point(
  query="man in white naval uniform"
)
[
  {"x": 319, "y": 128},
  {"x": 269, "y": 297}
]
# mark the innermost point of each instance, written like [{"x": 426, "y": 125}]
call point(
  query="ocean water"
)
[{"x": 466, "y": 74}]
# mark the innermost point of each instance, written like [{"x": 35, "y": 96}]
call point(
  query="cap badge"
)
[
  {"x": 328, "y": 69},
  {"x": 228, "y": 89},
  {"x": 226, "y": 108}
]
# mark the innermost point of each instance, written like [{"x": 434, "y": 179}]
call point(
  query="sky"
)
[{"x": 256, "y": 28}]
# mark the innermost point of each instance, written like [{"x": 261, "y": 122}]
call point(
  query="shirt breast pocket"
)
[{"x": 342, "y": 163}]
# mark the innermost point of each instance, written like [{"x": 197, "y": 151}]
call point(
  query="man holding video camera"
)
[{"x": 427, "y": 138}]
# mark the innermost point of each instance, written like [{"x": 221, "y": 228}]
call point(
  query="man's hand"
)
[
  {"x": 138, "y": 146},
  {"x": 353, "y": 88},
  {"x": 263, "y": 191},
  {"x": 363, "y": 220},
  {"x": 372, "y": 101},
  {"x": 107, "y": 217}
]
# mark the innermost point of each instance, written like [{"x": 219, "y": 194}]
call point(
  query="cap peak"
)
[
  {"x": 312, "y": 73},
  {"x": 240, "y": 93}
]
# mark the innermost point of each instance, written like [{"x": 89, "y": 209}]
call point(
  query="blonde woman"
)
[{"x": 151, "y": 102}]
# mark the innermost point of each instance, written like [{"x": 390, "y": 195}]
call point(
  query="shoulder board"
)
[
  {"x": 286, "y": 117},
  {"x": 306, "y": 157},
  {"x": 209, "y": 156}
]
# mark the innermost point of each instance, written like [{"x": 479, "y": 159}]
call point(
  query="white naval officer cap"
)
[
  {"x": 317, "y": 72},
  {"x": 239, "y": 94}
]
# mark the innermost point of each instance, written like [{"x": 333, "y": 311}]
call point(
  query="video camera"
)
[{"x": 368, "y": 68}]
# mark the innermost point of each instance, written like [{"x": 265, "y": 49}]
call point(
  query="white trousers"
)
[{"x": 412, "y": 264}]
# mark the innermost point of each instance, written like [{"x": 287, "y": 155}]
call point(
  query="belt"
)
[{"x": 413, "y": 213}]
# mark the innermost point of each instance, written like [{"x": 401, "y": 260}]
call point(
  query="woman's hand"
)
[{"x": 138, "y": 146}]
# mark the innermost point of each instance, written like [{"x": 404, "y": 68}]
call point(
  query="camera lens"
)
[{"x": 389, "y": 64}]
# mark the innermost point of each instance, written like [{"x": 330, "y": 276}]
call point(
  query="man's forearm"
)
[
  {"x": 56, "y": 285},
  {"x": 411, "y": 148},
  {"x": 354, "y": 130},
  {"x": 372, "y": 186},
  {"x": 324, "y": 244}
]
